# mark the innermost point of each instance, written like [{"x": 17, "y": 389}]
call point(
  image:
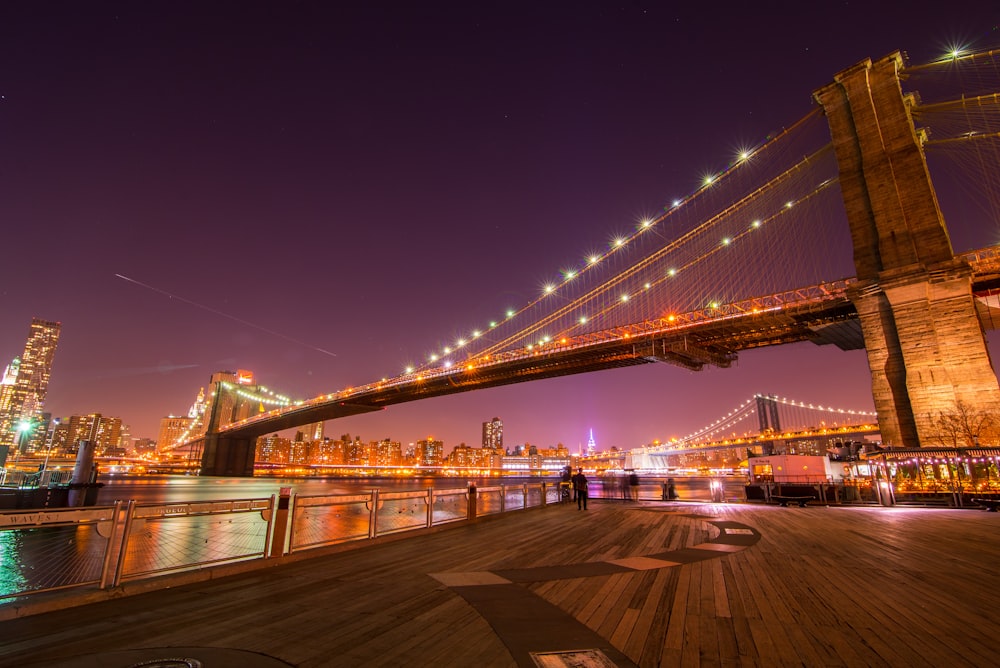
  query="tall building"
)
[
  {"x": 103, "y": 432},
  {"x": 591, "y": 445},
  {"x": 493, "y": 434},
  {"x": 173, "y": 430},
  {"x": 25, "y": 382},
  {"x": 430, "y": 452}
]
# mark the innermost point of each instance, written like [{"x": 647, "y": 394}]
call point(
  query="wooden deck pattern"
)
[{"x": 837, "y": 586}]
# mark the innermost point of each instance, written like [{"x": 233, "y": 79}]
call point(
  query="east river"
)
[{"x": 181, "y": 488}]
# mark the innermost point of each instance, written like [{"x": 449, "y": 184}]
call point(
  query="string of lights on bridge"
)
[
  {"x": 619, "y": 243},
  {"x": 744, "y": 411},
  {"x": 743, "y": 156}
]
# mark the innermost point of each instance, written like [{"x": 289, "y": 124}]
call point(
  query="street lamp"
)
[{"x": 23, "y": 429}]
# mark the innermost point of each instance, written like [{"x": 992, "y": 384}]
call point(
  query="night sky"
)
[{"x": 322, "y": 192}]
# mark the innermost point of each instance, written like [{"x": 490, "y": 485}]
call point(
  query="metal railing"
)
[{"x": 103, "y": 547}]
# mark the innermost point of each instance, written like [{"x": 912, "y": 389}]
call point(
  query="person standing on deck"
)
[
  {"x": 580, "y": 485},
  {"x": 633, "y": 485}
]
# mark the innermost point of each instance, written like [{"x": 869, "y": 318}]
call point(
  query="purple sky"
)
[{"x": 310, "y": 179}]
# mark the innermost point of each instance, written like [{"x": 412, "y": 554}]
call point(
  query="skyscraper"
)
[
  {"x": 22, "y": 393},
  {"x": 493, "y": 434}
]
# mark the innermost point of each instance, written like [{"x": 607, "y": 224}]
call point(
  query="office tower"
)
[
  {"x": 591, "y": 445},
  {"x": 174, "y": 430},
  {"x": 25, "y": 381},
  {"x": 493, "y": 434}
]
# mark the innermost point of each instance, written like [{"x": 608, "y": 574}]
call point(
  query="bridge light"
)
[
  {"x": 468, "y": 367},
  {"x": 624, "y": 298},
  {"x": 530, "y": 346},
  {"x": 671, "y": 318},
  {"x": 460, "y": 343},
  {"x": 709, "y": 180},
  {"x": 714, "y": 305},
  {"x": 744, "y": 155},
  {"x": 447, "y": 364},
  {"x": 493, "y": 323},
  {"x": 434, "y": 358},
  {"x": 409, "y": 369},
  {"x": 546, "y": 339},
  {"x": 646, "y": 223},
  {"x": 726, "y": 241},
  {"x": 676, "y": 203},
  {"x": 549, "y": 289},
  {"x": 671, "y": 272},
  {"x": 583, "y": 319},
  {"x": 510, "y": 313},
  {"x": 619, "y": 242},
  {"x": 594, "y": 259},
  {"x": 789, "y": 204},
  {"x": 570, "y": 275},
  {"x": 475, "y": 334},
  {"x": 755, "y": 224},
  {"x": 447, "y": 350},
  {"x": 647, "y": 286}
]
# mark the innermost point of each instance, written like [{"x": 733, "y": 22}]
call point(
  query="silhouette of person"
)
[{"x": 580, "y": 485}]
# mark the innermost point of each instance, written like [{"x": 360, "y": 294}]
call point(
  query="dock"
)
[{"x": 620, "y": 584}]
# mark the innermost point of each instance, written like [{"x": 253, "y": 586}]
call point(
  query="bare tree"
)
[{"x": 965, "y": 427}]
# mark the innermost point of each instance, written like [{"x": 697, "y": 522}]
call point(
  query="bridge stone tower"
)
[{"x": 926, "y": 348}]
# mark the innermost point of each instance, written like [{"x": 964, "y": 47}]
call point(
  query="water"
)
[{"x": 174, "y": 489}]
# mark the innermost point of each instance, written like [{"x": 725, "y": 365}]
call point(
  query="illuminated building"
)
[
  {"x": 273, "y": 449},
  {"x": 430, "y": 452},
  {"x": 25, "y": 382},
  {"x": 103, "y": 432},
  {"x": 591, "y": 445},
  {"x": 493, "y": 434},
  {"x": 387, "y": 453},
  {"x": 174, "y": 429}
]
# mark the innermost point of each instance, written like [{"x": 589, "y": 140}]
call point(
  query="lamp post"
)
[{"x": 23, "y": 428}]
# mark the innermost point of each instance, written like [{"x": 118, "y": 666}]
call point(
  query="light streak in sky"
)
[{"x": 225, "y": 315}]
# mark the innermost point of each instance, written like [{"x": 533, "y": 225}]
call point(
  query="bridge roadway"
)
[
  {"x": 823, "y": 314},
  {"x": 648, "y": 584}
]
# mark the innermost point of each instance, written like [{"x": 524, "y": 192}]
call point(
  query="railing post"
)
[
  {"x": 430, "y": 507},
  {"x": 279, "y": 521},
  {"x": 524, "y": 493},
  {"x": 373, "y": 514},
  {"x": 544, "y": 493},
  {"x": 472, "y": 501},
  {"x": 129, "y": 512},
  {"x": 503, "y": 498},
  {"x": 109, "y": 549}
]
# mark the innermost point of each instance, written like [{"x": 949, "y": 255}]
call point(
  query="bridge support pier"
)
[
  {"x": 227, "y": 456},
  {"x": 926, "y": 349}
]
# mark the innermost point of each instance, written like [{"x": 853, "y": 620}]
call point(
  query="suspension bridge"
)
[{"x": 840, "y": 206}]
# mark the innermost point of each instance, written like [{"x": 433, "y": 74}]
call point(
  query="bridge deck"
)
[{"x": 648, "y": 584}]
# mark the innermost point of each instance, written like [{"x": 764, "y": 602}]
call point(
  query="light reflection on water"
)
[
  {"x": 171, "y": 489},
  {"x": 40, "y": 558}
]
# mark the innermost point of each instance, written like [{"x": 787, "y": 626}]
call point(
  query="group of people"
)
[{"x": 578, "y": 482}]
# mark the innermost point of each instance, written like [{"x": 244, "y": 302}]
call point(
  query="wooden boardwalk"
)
[{"x": 647, "y": 584}]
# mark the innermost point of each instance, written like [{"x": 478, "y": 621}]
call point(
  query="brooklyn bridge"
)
[{"x": 831, "y": 231}]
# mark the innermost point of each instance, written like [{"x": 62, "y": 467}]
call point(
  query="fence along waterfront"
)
[{"x": 103, "y": 547}]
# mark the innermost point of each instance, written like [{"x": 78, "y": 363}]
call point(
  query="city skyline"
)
[{"x": 324, "y": 196}]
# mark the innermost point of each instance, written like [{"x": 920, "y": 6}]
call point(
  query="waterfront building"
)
[
  {"x": 591, "y": 445},
  {"x": 273, "y": 449},
  {"x": 174, "y": 429},
  {"x": 327, "y": 451},
  {"x": 430, "y": 452},
  {"x": 387, "y": 453},
  {"x": 25, "y": 383},
  {"x": 103, "y": 432},
  {"x": 493, "y": 434}
]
